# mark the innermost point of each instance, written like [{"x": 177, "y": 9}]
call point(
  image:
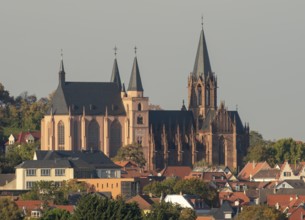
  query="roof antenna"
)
[{"x": 115, "y": 51}]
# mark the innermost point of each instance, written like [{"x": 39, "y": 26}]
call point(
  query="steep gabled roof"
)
[
  {"x": 202, "y": 66},
  {"x": 93, "y": 97},
  {"x": 251, "y": 168},
  {"x": 176, "y": 171},
  {"x": 135, "y": 83}
]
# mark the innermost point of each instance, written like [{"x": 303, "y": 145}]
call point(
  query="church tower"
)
[
  {"x": 136, "y": 106},
  {"x": 202, "y": 84}
]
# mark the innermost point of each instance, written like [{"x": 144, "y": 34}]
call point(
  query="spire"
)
[
  {"x": 135, "y": 83},
  {"x": 183, "y": 108},
  {"x": 62, "y": 74},
  {"x": 115, "y": 76},
  {"x": 202, "y": 64}
]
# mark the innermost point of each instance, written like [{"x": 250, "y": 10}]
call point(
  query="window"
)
[
  {"x": 45, "y": 172},
  {"x": 31, "y": 172},
  {"x": 287, "y": 173},
  {"x": 35, "y": 214},
  {"x": 93, "y": 135},
  {"x": 60, "y": 172},
  {"x": 237, "y": 188},
  {"x": 139, "y": 120},
  {"x": 139, "y": 107},
  {"x": 29, "y": 184},
  {"x": 199, "y": 95},
  {"x": 61, "y": 135}
]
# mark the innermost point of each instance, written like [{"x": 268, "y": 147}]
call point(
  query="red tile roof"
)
[
  {"x": 179, "y": 171},
  {"x": 297, "y": 214},
  {"x": 234, "y": 196},
  {"x": 251, "y": 168}
]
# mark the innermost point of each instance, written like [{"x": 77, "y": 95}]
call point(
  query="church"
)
[{"x": 104, "y": 116}]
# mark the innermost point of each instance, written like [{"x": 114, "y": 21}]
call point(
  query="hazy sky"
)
[{"x": 256, "y": 50}]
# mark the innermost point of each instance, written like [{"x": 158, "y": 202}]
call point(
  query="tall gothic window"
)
[
  {"x": 76, "y": 136},
  {"x": 221, "y": 151},
  {"x": 93, "y": 135},
  {"x": 139, "y": 107},
  {"x": 199, "y": 95},
  {"x": 115, "y": 137},
  {"x": 207, "y": 96},
  {"x": 61, "y": 135}
]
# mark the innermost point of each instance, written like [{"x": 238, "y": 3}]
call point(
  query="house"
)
[
  {"x": 291, "y": 184},
  {"x": 145, "y": 202},
  {"x": 34, "y": 208},
  {"x": 235, "y": 199},
  {"x": 189, "y": 201},
  {"x": 285, "y": 203},
  {"x": 298, "y": 213},
  {"x": 7, "y": 181},
  {"x": 250, "y": 169},
  {"x": 287, "y": 173},
  {"x": 92, "y": 167},
  {"x": 27, "y": 137},
  {"x": 176, "y": 171},
  {"x": 266, "y": 175}
]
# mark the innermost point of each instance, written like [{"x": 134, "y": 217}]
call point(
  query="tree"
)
[
  {"x": 157, "y": 188},
  {"x": 94, "y": 206},
  {"x": 56, "y": 214},
  {"x": 260, "y": 212},
  {"x": 131, "y": 152},
  {"x": 9, "y": 210}
]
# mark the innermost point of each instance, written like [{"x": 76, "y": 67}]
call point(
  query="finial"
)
[
  {"x": 236, "y": 107},
  {"x": 115, "y": 51},
  {"x": 183, "y": 102},
  {"x": 135, "y": 50},
  {"x": 202, "y": 22}
]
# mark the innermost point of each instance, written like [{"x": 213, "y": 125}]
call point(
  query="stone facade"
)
[{"x": 103, "y": 116}]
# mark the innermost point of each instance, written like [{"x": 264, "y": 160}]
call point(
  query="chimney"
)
[
  {"x": 150, "y": 194},
  {"x": 291, "y": 198},
  {"x": 180, "y": 193},
  {"x": 253, "y": 164}
]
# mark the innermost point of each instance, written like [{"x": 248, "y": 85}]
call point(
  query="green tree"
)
[
  {"x": 9, "y": 210},
  {"x": 94, "y": 206},
  {"x": 56, "y": 214},
  {"x": 131, "y": 152},
  {"x": 157, "y": 188},
  {"x": 260, "y": 212},
  {"x": 169, "y": 211}
]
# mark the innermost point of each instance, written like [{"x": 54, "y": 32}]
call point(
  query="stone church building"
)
[{"x": 104, "y": 116}]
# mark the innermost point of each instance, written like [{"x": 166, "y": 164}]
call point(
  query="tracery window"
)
[
  {"x": 93, "y": 135},
  {"x": 61, "y": 135},
  {"x": 139, "y": 120}
]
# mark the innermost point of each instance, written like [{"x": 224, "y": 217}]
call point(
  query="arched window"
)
[
  {"x": 221, "y": 151},
  {"x": 199, "y": 95},
  {"x": 139, "y": 107},
  {"x": 61, "y": 135},
  {"x": 93, "y": 135},
  {"x": 115, "y": 138},
  {"x": 76, "y": 136},
  {"x": 207, "y": 96},
  {"x": 140, "y": 120}
]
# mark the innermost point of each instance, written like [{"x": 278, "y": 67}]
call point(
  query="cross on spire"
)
[
  {"x": 135, "y": 50},
  {"x": 115, "y": 51},
  {"x": 202, "y": 21}
]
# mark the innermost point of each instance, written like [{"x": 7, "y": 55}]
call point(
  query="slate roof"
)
[
  {"x": 202, "y": 64},
  {"x": 239, "y": 124},
  {"x": 45, "y": 164},
  {"x": 267, "y": 173},
  {"x": 171, "y": 117},
  {"x": 79, "y": 159},
  {"x": 115, "y": 76},
  {"x": 135, "y": 83},
  {"x": 296, "y": 184},
  {"x": 93, "y": 97},
  {"x": 6, "y": 178}
]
